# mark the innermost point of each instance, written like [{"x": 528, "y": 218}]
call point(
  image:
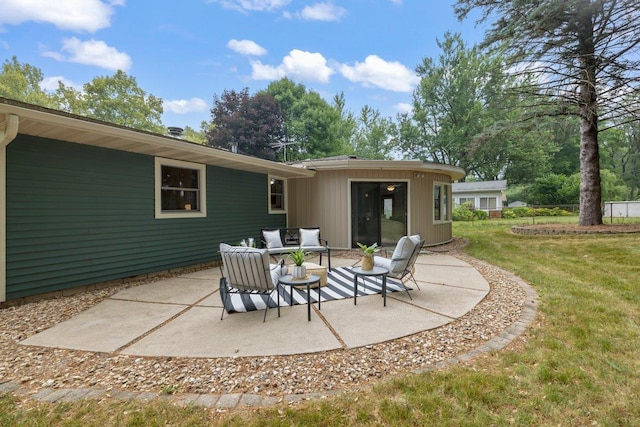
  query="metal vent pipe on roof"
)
[{"x": 175, "y": 131}]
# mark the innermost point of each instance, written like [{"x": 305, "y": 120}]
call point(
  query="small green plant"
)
[
  {"x": 297, "y": 256},
  {"x": 169, "y": 389},
  {"x": 368, "y": 250}
]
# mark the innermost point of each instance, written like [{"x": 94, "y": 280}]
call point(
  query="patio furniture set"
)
[{"x": 248, "y": 270}]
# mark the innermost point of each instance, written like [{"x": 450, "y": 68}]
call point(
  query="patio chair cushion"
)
[
  {"x": 401, "y": 254},
  {"x": 246, "y": 268},
  {"x": 272, "y": 239},
  {"x": 309, "y": 237}
]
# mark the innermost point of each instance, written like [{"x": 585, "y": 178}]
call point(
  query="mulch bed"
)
[{"x": 546, "y": 229}]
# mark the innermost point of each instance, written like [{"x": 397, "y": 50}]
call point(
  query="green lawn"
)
[{"x": 579, "y": 364}]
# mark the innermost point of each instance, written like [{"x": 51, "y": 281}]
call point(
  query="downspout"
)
[{"x": 8, "y": 132}]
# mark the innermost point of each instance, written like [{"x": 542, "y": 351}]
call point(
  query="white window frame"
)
[
  {"x": 488, "y": 200},
  {"x": 284, "y": 194},
  {"x": 202, "y": 193},
  {"x": 447, "y": 205}
]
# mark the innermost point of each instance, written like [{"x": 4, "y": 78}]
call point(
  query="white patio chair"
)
[
  {"x": 247, "y": 270},
  {"x": 401, "y": 263}
]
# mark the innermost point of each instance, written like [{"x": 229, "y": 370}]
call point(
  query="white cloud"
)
[
  {"x": 252, "y": 5},
  {"x": 185, "y": 106},
  {"x": 246, "y": 47},
  {"x": 75, "y": 15},
  {"x": 396, "y": 1},
  {"x": 51, "y": 83},
  {"x": 92, "y": 52},
  {"x": 323, "y": 12},
  {"x": 298, "y": 64},
  {"x": 403, "y": 107},
  {"x": 261, "y": 71},
  {"x": 375, "y": 71}
]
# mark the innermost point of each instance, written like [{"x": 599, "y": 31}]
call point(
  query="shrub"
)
[
  {"x": 463, "y": 212},
  {"x": 508, "y": 214},
  {"x": 480, "y": 215},
  {"x": 522, "y": 211}
]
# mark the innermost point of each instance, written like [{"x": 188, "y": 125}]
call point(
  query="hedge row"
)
[{"x": 465, "y": 213}]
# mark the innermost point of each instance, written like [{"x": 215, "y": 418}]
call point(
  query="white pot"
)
[{"x": 299, "y": 271}]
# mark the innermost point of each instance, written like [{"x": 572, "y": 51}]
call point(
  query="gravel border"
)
[{"x": 495, "y": 322}]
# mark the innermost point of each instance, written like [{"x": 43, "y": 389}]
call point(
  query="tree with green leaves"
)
[
  {"x": 372, "y": 138},
  {"x": 22, "y": 82},
  {"x": 115, "y": 99},
  {"x": 251, "y": 124},
  {"x": 620, "y": 148},
  {"x": 313, "y": 127},
  {"x": 464, "y": 115},
  {"x": 583, "y": 54}
]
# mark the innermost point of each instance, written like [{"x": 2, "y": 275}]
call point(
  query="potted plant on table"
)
[
  {"x": 368, "y": 251},
  {"x": 299, "y": 271}
]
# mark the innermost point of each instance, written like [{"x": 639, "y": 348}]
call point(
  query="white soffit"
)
[{"x": 47, "y": 123}]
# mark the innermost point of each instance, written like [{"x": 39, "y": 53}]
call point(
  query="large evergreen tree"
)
[{"x": 584, "y": 55}]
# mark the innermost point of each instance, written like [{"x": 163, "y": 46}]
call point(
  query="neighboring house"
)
[
  {"x": 517, "y": 204},
  {"x": 84, "y": 202},
  {"x": 356, "y": 200},
  {"x": 484, "y": 195}
]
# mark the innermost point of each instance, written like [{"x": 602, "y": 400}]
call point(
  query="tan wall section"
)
[{"x": 324, "y": 201}]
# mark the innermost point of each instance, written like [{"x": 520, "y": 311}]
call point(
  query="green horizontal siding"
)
[{"x": 78, "y": 215}]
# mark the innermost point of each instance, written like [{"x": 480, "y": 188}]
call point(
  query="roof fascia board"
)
[
  {"x": 160, "y": 141},
  {"x": 418, "y": 165}
]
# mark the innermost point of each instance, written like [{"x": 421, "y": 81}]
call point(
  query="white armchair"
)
[{"x": 401, "y": 263}]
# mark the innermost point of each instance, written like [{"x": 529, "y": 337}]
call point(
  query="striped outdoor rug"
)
[{"x": 339, "y": 285}]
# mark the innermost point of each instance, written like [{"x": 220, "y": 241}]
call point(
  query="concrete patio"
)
[{"x": 180, "y": 317}]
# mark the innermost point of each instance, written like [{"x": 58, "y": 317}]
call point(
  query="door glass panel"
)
[
  {"x": 365, "y": 214},
  {"x": 393, "y": 220},
  {"x": 378, "y": 213}
]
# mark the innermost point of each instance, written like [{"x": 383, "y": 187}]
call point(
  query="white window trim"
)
[
  {"x": 202, "y": 169},
  {"x": 449, "y": 203},
  {"x": 286, "y": 194}
]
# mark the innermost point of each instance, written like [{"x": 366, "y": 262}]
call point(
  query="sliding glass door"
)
[{"x": 378, "y": 212}]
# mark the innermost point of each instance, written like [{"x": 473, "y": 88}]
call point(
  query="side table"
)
[
  {"x": 308, "y": 281},
  {"x": 375, "y": 272}
]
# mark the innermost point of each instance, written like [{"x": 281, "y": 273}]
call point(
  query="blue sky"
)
[{"x": 186, "y": 51}]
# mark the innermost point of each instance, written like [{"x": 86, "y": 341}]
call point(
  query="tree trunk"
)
[{"x": 590, "y": 191}]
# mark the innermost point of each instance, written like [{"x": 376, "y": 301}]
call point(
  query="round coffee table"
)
[
  {"x": 308, "y": 281},
  {"x": 375, "y": 272}
]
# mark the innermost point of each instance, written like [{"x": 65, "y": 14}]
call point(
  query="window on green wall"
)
[
  {"x": 180, "y": 189},
  {"x": 441, "y": 198},
  {"x": 277, "y": 195}
]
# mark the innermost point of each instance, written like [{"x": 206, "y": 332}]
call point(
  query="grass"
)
[{"x": 579, "y": 364}]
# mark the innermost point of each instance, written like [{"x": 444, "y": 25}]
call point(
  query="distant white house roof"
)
[{"x": 479, "y": 186}]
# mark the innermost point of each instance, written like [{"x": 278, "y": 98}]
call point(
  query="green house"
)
[{"x": 85, "y": 202}]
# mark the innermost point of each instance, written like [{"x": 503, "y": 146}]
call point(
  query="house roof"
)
[
  {"x": 48, "y": 123},
  {"x": 479, "y": 186},
  {"x": 352, "y": 162}
]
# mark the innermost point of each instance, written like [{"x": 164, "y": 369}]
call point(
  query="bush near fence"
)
[
  {"x": 528, "y": 211},
  {"x": 464, "y": 212}
]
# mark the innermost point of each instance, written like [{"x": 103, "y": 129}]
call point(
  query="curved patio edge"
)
[{"x": 230, "y": 401}]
